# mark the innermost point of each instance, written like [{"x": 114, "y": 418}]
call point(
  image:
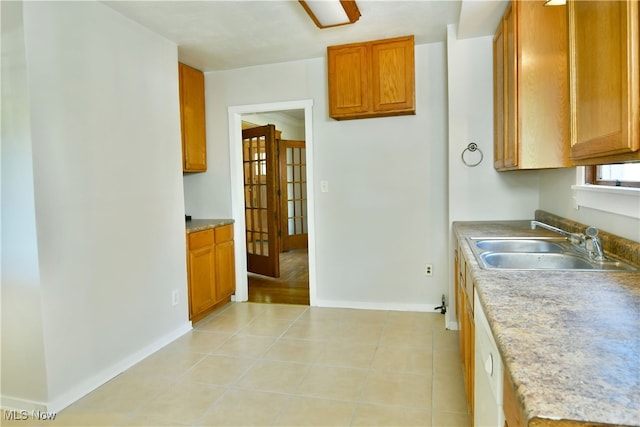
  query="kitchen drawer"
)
[
  {"x": 200, "y": 239},
  {"x": 224, "y": 233}
]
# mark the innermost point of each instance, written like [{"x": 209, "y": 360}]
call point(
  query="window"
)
[
  {"x": 606, "y": 195},
  {"x": 619, "y": 175}
]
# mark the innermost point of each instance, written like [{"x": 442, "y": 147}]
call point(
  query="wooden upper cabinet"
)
[
  {"x": 348, "y": 80},
  {"x": 192, "y": 119},
  {"x": 511, "y": 143},
  {"x": 531, "y": 105},
  {"x": 500, "y": 103},
  {"x": 372, "y": 79},
  {"x": 393, "y": 68},
  {"x": 603, "y": 53}
]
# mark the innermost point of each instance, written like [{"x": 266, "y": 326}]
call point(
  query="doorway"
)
[
  {"x": 292, "y": 287},
  {"x": 276, "y": 224},
  {"x": 297, "y": 263}
]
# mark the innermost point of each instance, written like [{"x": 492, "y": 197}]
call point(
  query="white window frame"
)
[{"x": 618, "y": 200}]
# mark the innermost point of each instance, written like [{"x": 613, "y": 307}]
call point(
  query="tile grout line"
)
[{"x": 233, "y": 385}]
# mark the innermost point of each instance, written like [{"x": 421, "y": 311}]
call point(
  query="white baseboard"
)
[
  {"x": 452, "y": 325},
  {"x": 429, "y": 307},
  {"x": 99, "y": 378}
]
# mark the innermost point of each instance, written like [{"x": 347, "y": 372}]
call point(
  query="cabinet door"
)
[
  {"x": 348, "y": 80},
  {"x": 192, "y": 118},
  {"x": 225, "y": 262},
  {"x": 603, "y": 52},
  {"x": 459, "y": 297},
  {"x": 393, "y": 69},
  {"x": 467, "y": 329},
  {"x": 468, "y": 351},
  {"x": 530, "y": 88},
  {"x": 202, "y": 273},
  {"x": 470, "y": 356},
  {"x": 505, "y": 71},
  {"x": 510, "y": 148},
  {"x": 499, "y": 97},
  {"x": 512, "y": 412},
  {"x": 225, "y": 270},
  {"x": 542, "y": 86},
  {"x": 456, "y": 282}
]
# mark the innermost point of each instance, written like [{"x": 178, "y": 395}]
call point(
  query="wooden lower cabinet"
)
[
  {"x": 469, "y": 359},
  {"x": 512, "y": 412},
  {"x": 201, "y": 272},
  {"x": 210, "y": 269},
  {"x": 464, "y": 306},
  {"x": 225, "y": 262},
  {"x": 458, "y": 291}
]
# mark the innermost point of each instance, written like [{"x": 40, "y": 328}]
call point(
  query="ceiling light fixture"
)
[
  {"x": 555, "y": 2},
  {"x": 331, "y": 13}
]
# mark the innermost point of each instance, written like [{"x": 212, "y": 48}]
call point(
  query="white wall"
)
[
  {"x": 105, "y": 136},
  {"x": 23, "y": 365},
  {"x": 385, "y": 214}
]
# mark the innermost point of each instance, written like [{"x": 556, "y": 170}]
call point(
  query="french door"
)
[
  {"x": 293, "y": 188},
  {"x": 260, "y": 163}
]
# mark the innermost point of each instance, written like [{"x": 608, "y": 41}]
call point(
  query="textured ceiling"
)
[{"x": 220, "y": 35}]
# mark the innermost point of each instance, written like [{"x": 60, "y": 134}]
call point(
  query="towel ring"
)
[{"x": 472, "y": 147}]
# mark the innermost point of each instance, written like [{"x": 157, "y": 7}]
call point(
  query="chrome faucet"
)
[
  {"x": 588, "y": 242},
  {"x": 593, "y": 244},
  {"x": 575, "y": 238}
]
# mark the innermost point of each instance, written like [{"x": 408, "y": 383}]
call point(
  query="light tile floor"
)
[{"x": 286, "y": 365}]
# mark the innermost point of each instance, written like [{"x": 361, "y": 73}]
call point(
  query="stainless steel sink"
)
[
  {"x": 535, "y": 260},
  {"x": 612, "y": 265},
  {"x": 519, "y": 245},
  {"x": 538, "y": 254}
]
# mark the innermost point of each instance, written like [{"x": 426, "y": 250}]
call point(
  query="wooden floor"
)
[{"x": 292, "y": 287}]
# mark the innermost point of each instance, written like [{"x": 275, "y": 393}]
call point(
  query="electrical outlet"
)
[
  {"x": 174, "y": 297},
  {"x": 428, "y": 270}
]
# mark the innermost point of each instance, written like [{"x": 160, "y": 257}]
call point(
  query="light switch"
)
[{"x": 324, "y": 186}]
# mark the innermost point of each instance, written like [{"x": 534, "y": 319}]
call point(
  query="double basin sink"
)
[{"x": 548, "y": 253}]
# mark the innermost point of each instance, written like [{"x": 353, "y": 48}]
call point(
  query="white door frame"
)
[{"x": 237, "y": 189}]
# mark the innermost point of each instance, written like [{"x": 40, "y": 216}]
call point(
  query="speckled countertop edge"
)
[
  {"x": 569, "y": 340},
  {"x": 205, "y": 224}
]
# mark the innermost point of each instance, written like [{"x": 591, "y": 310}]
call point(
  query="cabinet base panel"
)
[{"x": 198, "y": 317}]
